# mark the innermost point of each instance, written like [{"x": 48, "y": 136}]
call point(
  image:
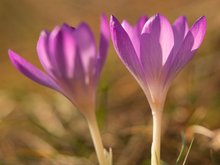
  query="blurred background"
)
[{"x": 40, "y": 127}]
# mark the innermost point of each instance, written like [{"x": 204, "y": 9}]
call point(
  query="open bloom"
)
[
  {"x": 71, "y": 61},
  {"x": 154, "y": 51}
]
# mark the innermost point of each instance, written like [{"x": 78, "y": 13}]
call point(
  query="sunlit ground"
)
[{"x": 39, "y": 126}]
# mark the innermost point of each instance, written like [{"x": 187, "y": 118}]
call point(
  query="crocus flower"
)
[
  {"x": 72, "y": 64},
  {"x": 155, "y": 52},
  {"x": 71, "y": 61}
]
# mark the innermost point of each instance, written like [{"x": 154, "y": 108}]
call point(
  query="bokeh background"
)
[{"x": 40, "y": 127}]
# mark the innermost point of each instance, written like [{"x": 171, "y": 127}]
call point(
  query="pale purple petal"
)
[
  {"x": 162, "y": 33},
  {"x": 125, "y": 49},
  {"x": 87, "y": 47},
  {"x": 54, "y": 58},
  {"x": 62, "y": 51},
  {"x": 133, "y": 35},
  {"x": 198, "y": 31},
  {"x": 134, "y": 32},
  {"x": 178, "y": 59},
  {"x": 43, "y": 52},
  {"x": 77, "y": 83},
  {"x": 140, "y": 23},
  {"x": 31, "y": 71},
  {"x": 183, "y": 56},
  {"x": 180, "y": 29},
  {"x": 103, "y": 44},
  {"x": 151, "y": 56},
  {"x": 79, "y": 80}
]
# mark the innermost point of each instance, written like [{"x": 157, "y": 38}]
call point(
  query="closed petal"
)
[
  {"x": 188, "y": 47},
  {"x": 183, "y": 56},
  {"x": 79, "y": 80},
  {"x": 134, "y": 32},
  {"x": 198, "y": 31},
  {"x": 133, "y": 35},
  {"x": 31, "y": 71},
  {"x": 87, "y": 47},
  {"x": 151, "y": 56},
  {"x": 125, "y": 49},
  {"x": 62, "y": 49},
  {"x": 162, "y": 33},
  {"x": 103, "y": 44},
  {"x": 138, "y": 28},
  {"x": 43, "y": 52},
  {"x": 76, "y": 86},
  {"x": 140, "y": 24},
  {"x": 180, "y": 29}
]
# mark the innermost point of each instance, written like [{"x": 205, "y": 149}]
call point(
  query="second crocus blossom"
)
[
  {"x": 154, "y": 55},
  {"x": 72, "y": 64}
]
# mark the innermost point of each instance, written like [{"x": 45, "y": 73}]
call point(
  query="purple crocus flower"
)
[
  {"x": 154, "y": 51},
  {"x": 71, "y": 61},
  {"x": 72, "y": 65}
]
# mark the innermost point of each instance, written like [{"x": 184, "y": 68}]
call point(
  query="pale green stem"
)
[
  {"x": 96, "y": 137},
  {"x": 155, "y": 148}
]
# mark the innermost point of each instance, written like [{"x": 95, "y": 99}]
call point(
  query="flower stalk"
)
[
  {"x": 96, "y": 138},
  {"x": 155, "y": 147}
]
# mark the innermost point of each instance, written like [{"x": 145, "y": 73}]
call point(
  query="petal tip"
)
[
  {"x": 104, "y": 17},
  {"x": 43, "y": 33},
  {"x": 113, "y": 21},
  {"x": 11, "y": 54},
  {"x": 203, "y": 20}
]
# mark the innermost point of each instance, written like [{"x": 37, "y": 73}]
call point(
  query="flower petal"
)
[
  {"x": 125, "y": 49},
  {"x": 103, "y": 45},
  {"x": 151, "y": 56},
  {"x": 182, "y": 55},
  {"x": 43, "y": 52},
  {"x": 180, "y": 29},
  {"x": 77, "y": 83},
  {"x": 134, "y": 32},
  {"x": 140, "y": 24},
  {"x": 176, "y": 62},
  {"x": 162, "y": 33},
  {"x": 133, "y": 35},
  {"x": 31, "y": 71},
  {"x": 198, "y": 31},
  {"x": 87, "y": 47},
  {"x": 62, "y": 49}
]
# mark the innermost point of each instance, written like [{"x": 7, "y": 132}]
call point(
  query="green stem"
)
[
  {"x": 155, "y": 148},
  {"x": 96, "y": 137}
]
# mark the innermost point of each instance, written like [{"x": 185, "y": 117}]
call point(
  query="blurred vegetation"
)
[{"x": 39, "y": 126}]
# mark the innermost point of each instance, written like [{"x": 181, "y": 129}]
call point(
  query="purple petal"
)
[
  {"x": 125, "y": 49},
  {"x": 192, "y": 41},
  {"x": 31, "y": 71},
  {"x": 43, "y": 52},
  {"x": 87, "y": 47},
  {"x": 151, "y": 56},
  {"x": 103, "y": 44},
  {"x": 77, "y": 83},
  {"x": 180, "y": 29},
  {"x": 198, "y": 31},
  {"x": 62, "y": 49},
  {"x": 178, "y": 61},
  {"x": 140, "y": 24},
  {"x": 79, "y": 80},
  {"x": 134, "y": 32},
  {"x": 133, "y": 35},
  {"x": 161, "y": 33}
]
